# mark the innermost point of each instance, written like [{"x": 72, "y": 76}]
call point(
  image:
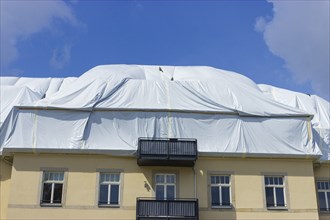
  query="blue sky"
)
[{"x": 281, "y": 43}]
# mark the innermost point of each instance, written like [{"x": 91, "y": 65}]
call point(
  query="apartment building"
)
[{"x": 161, "y": 142}]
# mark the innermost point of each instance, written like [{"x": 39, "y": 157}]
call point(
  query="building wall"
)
[
  {"x": 81, "y": 184},
  {"x": 5, "y": 177},
  {"x": 322, "y": 172}
]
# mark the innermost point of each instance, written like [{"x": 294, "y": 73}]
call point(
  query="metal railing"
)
[
  {"x": 151, "y": 208},
  {"x": 167, "y": 149}
]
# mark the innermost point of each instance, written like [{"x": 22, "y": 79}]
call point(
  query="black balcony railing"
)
[
  {"x": 167, "y": 152},
  {"x": 177, "y": 209}
]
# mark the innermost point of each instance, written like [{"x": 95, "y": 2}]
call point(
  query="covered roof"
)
[{"x": 109, "y": 107}]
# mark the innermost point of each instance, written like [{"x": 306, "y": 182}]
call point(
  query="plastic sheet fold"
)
[{"x": 109, "y": 107}]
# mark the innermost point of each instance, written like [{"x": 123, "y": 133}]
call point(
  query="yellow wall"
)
[
  {"x": 5, "y": 174},
  {"x": 80, "y": 200}
]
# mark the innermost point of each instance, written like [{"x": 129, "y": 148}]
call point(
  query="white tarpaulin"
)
[{"x": 109, "y": 107}]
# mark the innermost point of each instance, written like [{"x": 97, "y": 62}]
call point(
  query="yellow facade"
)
[
  {"x": 21, "y": 186},
  {"x": 5, "y": 179}
]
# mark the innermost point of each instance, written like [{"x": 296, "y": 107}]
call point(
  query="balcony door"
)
[{"x": 165, "y": 186}]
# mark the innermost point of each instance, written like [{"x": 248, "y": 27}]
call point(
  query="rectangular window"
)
[
  {"x": 220, "y": 191},
  {"x": 52, "y": 187},
  {"x": 109, "y": 190},
  {"x": 275, "y": 191},
  {"x": 323, "y": 191},
  {"x": 165, "y": 186}
]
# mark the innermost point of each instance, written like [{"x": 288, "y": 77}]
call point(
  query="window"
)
[
  {"x": 52, "y": 187},
  {"x": 323, "y": 191},
  {"x": 220, "y": 191},
  {"x": 109, "y": 189},
  {"x": 275, "y": 192},
  {"x": 165, "y": 186}
]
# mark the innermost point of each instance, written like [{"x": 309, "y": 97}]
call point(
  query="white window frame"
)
[
  {"x": 274, "y": 186},
  {"x": 110, "y": 184},
  {"x": 325, "y": 191},
  {"x": 220, "y": 185},
  {"x": 165, "y": 184},
  {"x": 52, "y": 182}
]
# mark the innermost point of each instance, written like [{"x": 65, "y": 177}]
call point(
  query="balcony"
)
[
  {"x": 152, "y": 209},
  {"x": 167, "y": 152}
]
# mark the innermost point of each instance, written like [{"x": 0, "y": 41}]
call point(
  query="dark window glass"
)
[
  {"x": 215, "y": 196},
  {"x": 222, "y": 179},
  {"x": 103, "y": 194},
  {"x": 46, "y": 194},
  {"x": 160, "y": 192},
  {"x": 213, "y": 179},
  {"x": 266, "y": 180},
  {"x": 227, "y": 179},
  {"x": 57, "y": 197},
  {"x": 114, "y": 194},
  {"x": 281, "y": 180},
  {"x": 279, "y": 197},
  {"x": 322, "y": 203},
  {"x": 170, "y": 192},
  {"x": 225, "y": 196},
  {"x": 269, "y": 196}
]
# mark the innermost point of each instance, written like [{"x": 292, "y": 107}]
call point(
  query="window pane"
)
[
  {"x": 276, "y": 180},
  {"x": 159, "y": 178},
  {"x": 117, "y": 176},
  {"x": 103, "y": 198},
  {"x": 160, "y": 192},
  {"x": 266, "y": 180},
  {"x": 280, "y": 196},
  {"x": 322, "y": 203},
  {"x": 170, "y": 178},
  {"x": 269, "y": 196},
  {"x": 46, "y": 194},
  {"x": 271, "y": 180},
  {"x": 212, "y": 179},
  {"x": 61, "y": 176},
  {"x": 102, "y": 178},
  {"x": 170, "y": 192},
  {"x": 215, "y": 196},
  {"x": 318, "y": 185},
  {"x": 57, "y": 198},
  {"x": 222, "y": 179},
  {"x": 46, "y": 174},
  {"x": 114, "y": 194},
  {"x": 280, "y": 180},
  {"x": 225, "y": 196},
  {"x": 227, "y": 179}
]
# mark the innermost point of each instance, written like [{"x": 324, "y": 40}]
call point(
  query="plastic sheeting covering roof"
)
[{"x": 109, "y": 107}]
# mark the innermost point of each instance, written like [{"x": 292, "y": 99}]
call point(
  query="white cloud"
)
[
  {"x": 60, "y": 57},
  {"x": 21, "y": 19},
  {"x": 299, "y": 34}
]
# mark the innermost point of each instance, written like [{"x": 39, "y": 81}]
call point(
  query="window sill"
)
[
  {"x": 50, "y": 205},
  {"x": 222, "y": 207},
  {"x": 108, "y": 206},
  {"x": 283, "y": 208},
  {"x": 324, "y": 212}
]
